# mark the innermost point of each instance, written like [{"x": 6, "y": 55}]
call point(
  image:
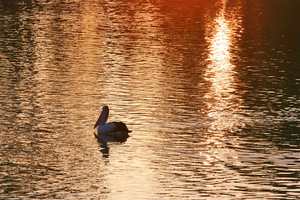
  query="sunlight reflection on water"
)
[{"x": 213, "y": 109}]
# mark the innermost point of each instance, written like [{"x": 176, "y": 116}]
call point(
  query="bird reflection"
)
[{"x": 109, "y": 132}]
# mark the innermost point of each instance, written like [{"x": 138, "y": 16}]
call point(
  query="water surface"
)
[{"x": 209, "y": 88}]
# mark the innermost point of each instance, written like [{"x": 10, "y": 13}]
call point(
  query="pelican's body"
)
[{"x": 113, "y": 131}]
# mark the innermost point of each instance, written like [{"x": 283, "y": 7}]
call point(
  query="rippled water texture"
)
[{"x": 210, "y": 89}]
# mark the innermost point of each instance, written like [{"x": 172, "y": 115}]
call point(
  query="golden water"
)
[{"x": 209, "y": 88}]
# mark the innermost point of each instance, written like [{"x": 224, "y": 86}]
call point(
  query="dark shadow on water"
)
[
  {"x": 104, "y": 149},
  {"x": 103, "y": 143}
]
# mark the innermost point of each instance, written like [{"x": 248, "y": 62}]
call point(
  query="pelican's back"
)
[{"x": 110, "y": 127}]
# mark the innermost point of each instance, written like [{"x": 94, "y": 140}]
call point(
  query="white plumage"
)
[{"x": 113, "y": 131}]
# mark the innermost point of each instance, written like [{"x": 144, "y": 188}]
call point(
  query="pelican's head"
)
[{"x": 103, "y": 117}]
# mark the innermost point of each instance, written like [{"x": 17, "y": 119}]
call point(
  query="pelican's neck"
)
[{"x": 103, "y": 117}]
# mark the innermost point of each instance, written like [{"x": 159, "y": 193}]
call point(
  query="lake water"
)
[{"x": 210, "y": 90}]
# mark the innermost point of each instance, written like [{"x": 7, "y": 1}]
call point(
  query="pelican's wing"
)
[{"x": 106, "y": 128}]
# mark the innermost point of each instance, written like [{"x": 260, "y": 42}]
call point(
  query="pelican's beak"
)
[
  {"x": 103, "y": 117},
  {"x": 98, "y": 121}
]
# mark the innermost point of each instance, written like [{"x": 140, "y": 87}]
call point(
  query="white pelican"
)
[{"x": 113, "y": 131}]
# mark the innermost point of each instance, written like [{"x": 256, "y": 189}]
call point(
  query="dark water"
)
[{"x": 209, "y": 88}]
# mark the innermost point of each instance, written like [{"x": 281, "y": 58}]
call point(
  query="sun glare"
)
[{"x": 220, "y": 73}]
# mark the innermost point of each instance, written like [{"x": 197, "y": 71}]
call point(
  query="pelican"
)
[{"x": 113, "y": 131}]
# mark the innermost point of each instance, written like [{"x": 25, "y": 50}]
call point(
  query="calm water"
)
[{"x": 209, "y": 88}]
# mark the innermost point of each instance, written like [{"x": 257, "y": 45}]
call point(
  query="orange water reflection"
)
[
  {"x": 145, "y": 61},
  {"x": 223, "y": 101}
]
